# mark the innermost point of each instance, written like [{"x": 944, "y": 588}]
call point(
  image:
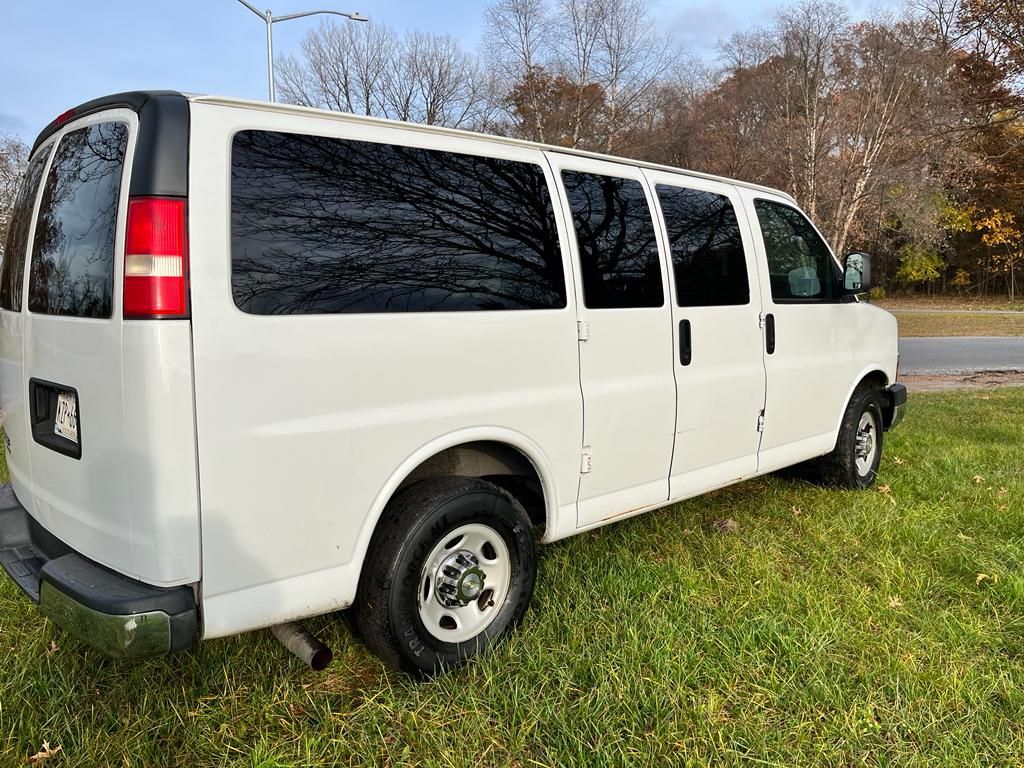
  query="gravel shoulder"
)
[{"x": 952, "y": 382}]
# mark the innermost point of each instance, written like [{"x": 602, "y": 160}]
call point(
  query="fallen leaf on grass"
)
[
  {"x": 726, "y": 525},
  {"x": 897, "y": 460},
  {"x": 1003, "y": 491},
  {"x": 985, "y": 577},
  {"x": 884, "y": 489},
  {"x": 963, "y": 536},
  {"x": 978, "y": 479},
  {"x": 52, "y": 648},
  {"x": 796, "y": 511},
  {"x": 1002, "y": 507},
  {"x": 895, "y": 601},
  {"x": 46, "y": 753}
]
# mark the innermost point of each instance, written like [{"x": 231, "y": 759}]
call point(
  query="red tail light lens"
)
[{"x": 156, "y": 258}]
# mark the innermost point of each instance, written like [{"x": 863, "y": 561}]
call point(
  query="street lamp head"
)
[{"x": 357, "y": 16}]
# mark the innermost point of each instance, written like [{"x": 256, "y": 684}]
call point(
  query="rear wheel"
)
[
  {"x": 858, "y": 452},
  {"x": 449, "y": 572}
]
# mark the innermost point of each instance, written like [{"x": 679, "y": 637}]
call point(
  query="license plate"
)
[{"x": 66, "y": 422}]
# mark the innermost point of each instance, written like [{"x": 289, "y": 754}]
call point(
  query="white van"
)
[{"x": 261, "y": 362}]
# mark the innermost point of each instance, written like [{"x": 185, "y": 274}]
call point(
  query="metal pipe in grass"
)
[{"x": 296, "y": 639}]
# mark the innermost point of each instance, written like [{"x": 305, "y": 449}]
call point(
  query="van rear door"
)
[{"x": 102, "y": 431}]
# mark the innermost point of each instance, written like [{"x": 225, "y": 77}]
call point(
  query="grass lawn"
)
[
  {"x": 959, "y": 324},
  {"x": 953, "y": 303},
  {"x": 827, "y": 628}
]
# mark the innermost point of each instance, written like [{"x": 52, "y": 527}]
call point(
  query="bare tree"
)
[
  {"x": 631, "y": 61},
  {"x": 885, "y": 75},
  {"x": 342, "y": 68},
  {"x": 431, "y": 80},
  {"x": 517, "y": 37},
  {"x": 13, "y": 160},
  {"x": 367, "y": 69},
  {"x": 578, "y": 28}
]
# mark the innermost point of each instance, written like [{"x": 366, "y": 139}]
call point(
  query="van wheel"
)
[
  {"x": 854, "y": 461},
  {"x": 449, "y": 571}
]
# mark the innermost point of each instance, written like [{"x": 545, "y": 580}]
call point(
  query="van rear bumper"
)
[{"x": 118, "y": 615}]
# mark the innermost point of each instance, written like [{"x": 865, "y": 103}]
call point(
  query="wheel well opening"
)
[
  {"x": 875, "y": 379},
  {"x": 499, "y": 463}
]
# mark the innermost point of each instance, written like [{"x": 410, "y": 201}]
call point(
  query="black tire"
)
[
  {"x": 839, "y": 468},
  {"x": 415, "y": 522}
]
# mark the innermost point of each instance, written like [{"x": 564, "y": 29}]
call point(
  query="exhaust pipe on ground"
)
[{"x": 296, "y": 639}]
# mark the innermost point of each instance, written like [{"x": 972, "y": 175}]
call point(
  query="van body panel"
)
[
  {"x": 316, "y": 410},
  {"x": 130, "y": 501},
  {"x": 13, "y": 387}
]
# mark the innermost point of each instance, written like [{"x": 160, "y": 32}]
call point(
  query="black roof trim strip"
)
[{"x": 160, "y": 163}]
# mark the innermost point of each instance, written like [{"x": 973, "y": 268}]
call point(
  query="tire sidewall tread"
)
[
  {"x": 386, "y": 608},
  {"x": 839, "y": 468}
]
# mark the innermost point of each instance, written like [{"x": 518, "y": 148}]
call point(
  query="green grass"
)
[
  {"x": 959, "y": 324},
  {"x": 829, "y": 628},
  {"x": 952, "y": 303}
]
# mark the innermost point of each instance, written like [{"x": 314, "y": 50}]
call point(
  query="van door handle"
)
[
  {"x": 685, "y": 348},
  {"x": 769, "y": 333}
]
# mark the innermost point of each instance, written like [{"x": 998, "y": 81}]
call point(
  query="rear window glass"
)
[
  {"x": 73, "y": 249},
  {"x": 708, "y": 262},
  {"x": 12, "y": 270},
  {"x": 323, "y": 225}
]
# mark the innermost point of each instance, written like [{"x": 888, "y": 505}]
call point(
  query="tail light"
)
[{"x": 156, "y": 259}]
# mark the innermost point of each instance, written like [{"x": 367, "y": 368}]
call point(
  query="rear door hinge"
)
[
  {"x": 586, "y": 460},
  {"x": 761, "y": 318},
  {"x": 760, "y": 422},
  {"x": 582, "y": 330}
]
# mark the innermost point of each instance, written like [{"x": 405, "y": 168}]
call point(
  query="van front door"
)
[
  {"x": 809, "y": 355},
  {"x": 719, "y": 365},
  {"x": 625, "y": 331}
]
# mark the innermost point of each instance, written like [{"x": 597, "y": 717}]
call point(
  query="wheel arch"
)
[
  {"x": 872, "y": 374},
  {"x": 495, "y": 454}
]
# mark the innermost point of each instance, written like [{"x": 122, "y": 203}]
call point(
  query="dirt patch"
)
[{"x": 977, "y": 380}]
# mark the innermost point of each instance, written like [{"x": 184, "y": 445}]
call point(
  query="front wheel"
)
[
  {"x": 449, "y": 572},
  {"x": 854, "y": 461}
]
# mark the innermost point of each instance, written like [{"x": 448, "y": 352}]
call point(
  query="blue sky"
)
[{"x": 55, "y": 54}]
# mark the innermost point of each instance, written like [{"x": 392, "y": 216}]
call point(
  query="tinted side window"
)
[
  {"x": 799, "y": 262},
  {"x": 331, "y": 225},
  {"x": 73, "y": 250},
  {"x": 707, "y": 250},
  {"x": 615, "y": 233},
  {"x": 12, "y": 271}
]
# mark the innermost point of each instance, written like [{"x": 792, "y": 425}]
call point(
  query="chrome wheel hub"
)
[
  {"x": 464, "y": 582},
  {"x": 459, "y": 579},
  {"x": 867, "y": 443}
]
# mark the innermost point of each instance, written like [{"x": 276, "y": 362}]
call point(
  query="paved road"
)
[{"x": 965, "y": 354}]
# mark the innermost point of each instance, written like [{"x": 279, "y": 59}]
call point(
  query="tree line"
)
[{"x": 901, "y": 135}]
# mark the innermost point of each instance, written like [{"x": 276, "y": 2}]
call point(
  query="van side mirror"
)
[{"x": 857, "y": 273}]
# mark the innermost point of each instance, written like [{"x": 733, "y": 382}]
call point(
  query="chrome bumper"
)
[{"x": 116, "y": 614}]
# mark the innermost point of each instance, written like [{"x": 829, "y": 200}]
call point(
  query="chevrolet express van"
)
[{"x": 260, "y": 362}]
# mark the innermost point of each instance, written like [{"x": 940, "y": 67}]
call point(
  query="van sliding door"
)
[
  {"x": 716, "y": 305},
  {"x": 625, "y": 338}
]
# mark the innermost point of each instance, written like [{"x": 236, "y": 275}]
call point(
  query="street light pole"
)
[{"x": 270, "y": 19}]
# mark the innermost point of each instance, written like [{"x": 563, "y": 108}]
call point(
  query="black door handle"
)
[
  {"x": 685, "y": 350},
  {"x": 769, "y": 333}
]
